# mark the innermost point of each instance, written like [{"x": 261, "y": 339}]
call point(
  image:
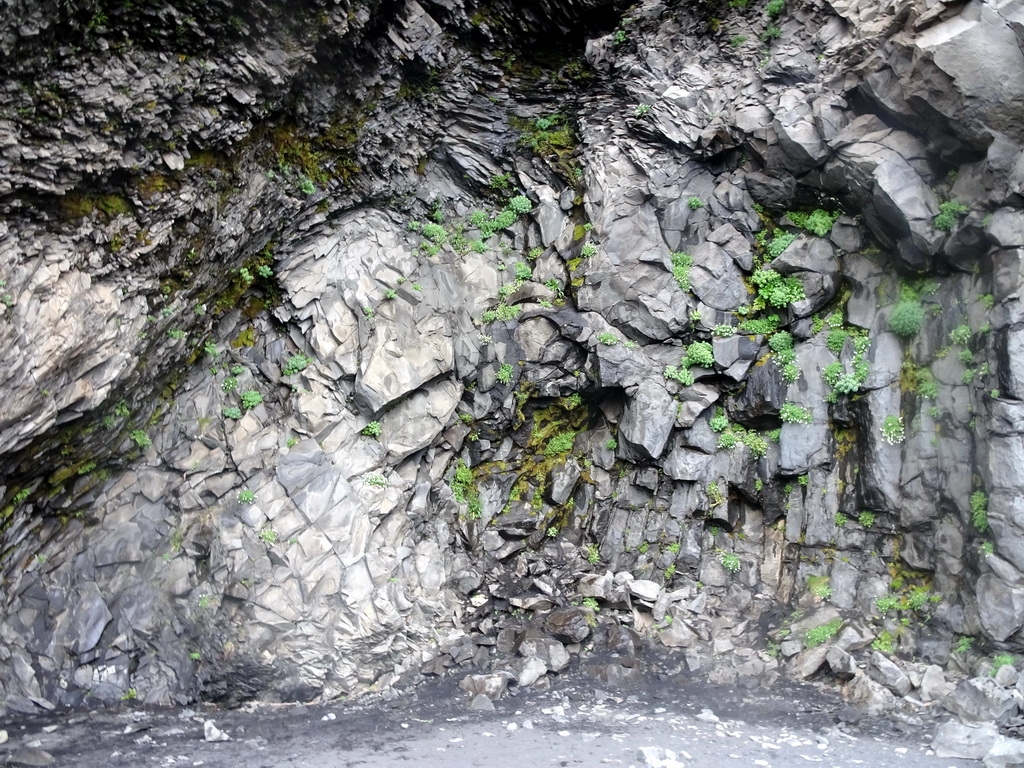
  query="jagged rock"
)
[
  {"x": 648, "y": 420},
  {"x": 491, "y": 686},
  {"x": 980, "y": 699},
  {"x": 595, "y": 585},
  {"x": 532, "y": 670},
  {"x": 644, "y": 589},
  {"x": 551, "y": 652},
  {"x": 311, "y": 239},
  {"x": 869, "y": 696},
  {"x": 212, "y": 733},
  {"x": 934, "y": 686},
  {"x": 883, "y": 670},
  {"x": 1000, "y": 606},
  {"x": 30, "y": 756},
  {"x": 1005, "y": 753},
  {"x": 970, "y": 741},
  {"x": 659, "y": 757},
  {"x": 481, "y": 703},
  {"x": 842, "y": 664},
  {"x": 569, "y": 625}
]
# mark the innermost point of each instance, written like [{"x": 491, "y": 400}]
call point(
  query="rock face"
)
[{"x": 347, "y": 342}]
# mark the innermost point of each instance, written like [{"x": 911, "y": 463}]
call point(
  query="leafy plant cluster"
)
[
  {"x": 791, "y": 413},
  {"x": 296, "y": 364},
  {"x": 560, "y": 443},
  {"x": 821, "y": 634},
  {"x": 818, "y": 222},
  {"x": 949, "y": 213},
  {"x": 775, "y": 290},
  {"x": 465, "y": 490},
  {"x": 781, "y": 344},
  {"x": 779, "y": 241},
  {"x": 915, "y": 598},
  {"x": 681, "y": 263},
  {"x": 699, "y": 353},
  {"x": 843, "y": 381},
  {"x": 892, "y": 430},
  {"x": 979, "y": 510}
]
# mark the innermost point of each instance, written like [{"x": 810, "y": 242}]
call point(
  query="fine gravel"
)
[{"x": 664, "y": 725}]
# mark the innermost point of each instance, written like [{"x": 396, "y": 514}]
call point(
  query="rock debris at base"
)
[{"x": 351, "y": 345}]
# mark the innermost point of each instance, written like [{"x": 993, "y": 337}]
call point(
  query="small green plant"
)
[
  {"x": 237, "y": 370},
  {"x": 818, "y": 222},
  {"x": 681, "y": 263},
  {"x": 792, "y": 413},
  {"x": 906, "y": 318},
  {"x": 612, "y": 444},
  {"x": 866, "y": 519},
  {"x": 591, "y": 603},
  {"x": 719, "y": 422},
  {"x": 561, "y": 443},
  {"x": 264, "y": 271},
  {"x": 231, "y": 413},
  {"x": 229, "y": 384},
  {"x": 552, "y": 531},
  {"x": 176, "y": 333},
  {"x": 979, "y": 510},
  {"x": 887, "y": 603},
  {"x": 592, "y": 554},
  {"x": 760, "y": 326},
  {"x": 730, "y": 561},
  {"x": 378, "y": 481},
  {"x": 129, "y": 695},
  {"x": 268, "y": 536},
  {"x": 737, "y": 40},
  {"x": 715, "y": 497},
  {"x": 292, "y": 442},
  {"x": 963, "y": 645},
  {"x": 695, "y": 203},
  {"x": 987, "y": 548},
  {"x": 195, "y": 656},
  {"x": 999, "y": 661},
  {"x": 640, "y": 110},
  {"x": 885, "y": 642},
  {"x": 892, "y": 430},
  {"x": 820, "y": 587},
  {"x": 770, "y": 33},
  {"x": 608, "y": 339},
  {"x": 251, "y": 399},
  {"x": 960, "y": 335},
  {"x": 949, "y": 212},
  {"x": 390, "y": 293},
  {"x": 245, "y": 496},
  {"x": 295, "y": 364},
  {"x": 775, "y": 290},
  {"x": 823, "y": 633},
  {"x": 774, "y": 8},
  {"x": 520, "y": 204},
  {"x": 504, "y": 374},
  {"x": 140, "y": 438},
  {"x": 373, "y": 429},
  {"x": 701, "y": 354}
]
